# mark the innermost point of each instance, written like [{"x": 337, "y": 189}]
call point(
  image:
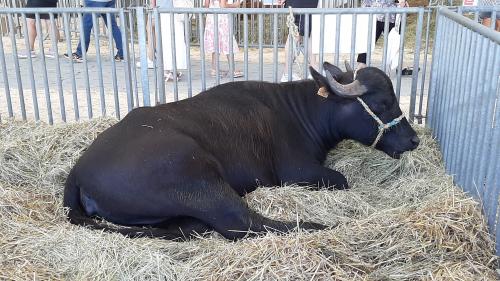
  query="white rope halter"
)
[
  {"x": 294, "y": 31},
  {"x": 381, "y": 126}
]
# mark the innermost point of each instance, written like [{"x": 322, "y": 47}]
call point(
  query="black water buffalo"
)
[{"x": 175, "y": 169}]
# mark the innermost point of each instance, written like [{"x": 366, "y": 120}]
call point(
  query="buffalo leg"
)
[
  {"x": 186, "y": 227},
  {"x": 318, "y": 176},
  {"x": 229, "y": 215}
]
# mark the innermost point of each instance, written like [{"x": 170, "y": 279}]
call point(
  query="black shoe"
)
[
  {"x": 118, "y": 58},
  {"x": 407, "y": 71},
  {"x": 75, "y": 57}
]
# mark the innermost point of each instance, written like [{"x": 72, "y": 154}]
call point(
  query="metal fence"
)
[
  {"x": 464, "y": 101},
  {"x": 131, "y": 86}
]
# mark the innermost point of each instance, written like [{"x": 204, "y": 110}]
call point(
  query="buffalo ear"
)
[
  {"x": 321, "y": 82},
  {"x": 318, "y": 78},
  {"x": 334, "y": 70}
]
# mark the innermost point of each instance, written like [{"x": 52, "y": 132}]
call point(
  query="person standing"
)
[
  {"x": 486, "y": 16},
  {"x": 87, "y": 27},
  {"x": 31, "y": 23},
  {"x": 223, "y": 34},
  {"x": 299, "y": 21},
  {"x": 180, "y": 38},
  {"x": 379, "y": 28}
]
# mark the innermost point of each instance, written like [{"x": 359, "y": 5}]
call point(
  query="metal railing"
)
[
  {"x": 132, "y": 87},
  {"x": 464, "y": 111}
]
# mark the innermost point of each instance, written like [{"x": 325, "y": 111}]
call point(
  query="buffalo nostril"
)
[{"x": 415, "y": 140}]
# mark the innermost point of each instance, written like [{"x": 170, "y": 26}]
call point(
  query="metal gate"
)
[{"x": 464, "y": 107}]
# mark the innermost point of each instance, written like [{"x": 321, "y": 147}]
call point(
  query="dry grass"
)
[{"x": 402, "y": 220}]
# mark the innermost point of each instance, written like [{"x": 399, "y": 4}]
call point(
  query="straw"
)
[{"x": 401, "y": 220}]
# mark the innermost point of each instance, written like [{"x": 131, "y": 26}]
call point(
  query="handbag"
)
[{"x": 393, "y": 47}]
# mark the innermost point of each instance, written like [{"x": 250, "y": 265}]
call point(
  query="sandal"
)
[
  {"x": 237, "y": 74},
  {"x": 221, "y": 73}
]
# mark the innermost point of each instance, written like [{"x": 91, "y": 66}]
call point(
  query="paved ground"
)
[{"x": 91, "y": 94}]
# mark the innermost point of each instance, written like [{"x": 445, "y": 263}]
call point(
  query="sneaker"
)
[
  {"x": 170, "y": 76},
  {"x": 151, "y": 64},
  {"x": 50, "y": 54},
  {"x": 24, "y": 55},
  {"x": 118, "y": 58},
  {"x": 75, "y": 57},
  {"x": 284, "y": 78}
]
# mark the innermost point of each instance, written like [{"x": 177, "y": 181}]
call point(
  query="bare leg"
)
[
  {"x": 31, "y": 34},
  {"x": 151, "y": 38}
]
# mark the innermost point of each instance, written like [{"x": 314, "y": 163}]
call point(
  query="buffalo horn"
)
[{"x": 352, "y": 90}]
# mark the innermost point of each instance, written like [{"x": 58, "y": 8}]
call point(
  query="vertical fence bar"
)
[
  {"x": 337, "y": 38},
  {"x": 173, "y": 54},
  {"x": 275, "y": 48},
  {"x": 416, "y": 63},
  {"x": 401, "y": 55},
  {"x": 216, "y": 48},
  {"x": 95, "y": 23},
  {"x": 126, "y": 56},
  {"x": 370, "y": 40},
  {"x": 424, "y": 68},
  {"x": 306, "y": 44},
  {"x": 30, "y": 69},
  {"x": 202, "y": 52},
  {"x": 85, "y": 65},
  {"x": 69, "y": 51},
  {"x": 39, "y": 32},
  {"x": 245, "y": 45},
  {"x": 135, "y": 87},
  {"x": 16, "y": 66},
  {"x": 231, "y": 53},
  {"x": 321, "y": 42},
  {"x": 386, "y": 33},
  {"x": 159, "y": 57},
  {"x": 353, "y": 39},
  {"x": 6, "y": 80},
  {"x": 187, "y": 29},
  {"x": 113, "y": 68},
  {"x": 261, "y": 51},
  {"x": 435, "y": 68},
  {"x": 58, "y": 67},
  {"x": 141, "y": 28}
]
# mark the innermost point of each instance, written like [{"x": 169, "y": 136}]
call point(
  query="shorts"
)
[{"x": 41, "y": 4}]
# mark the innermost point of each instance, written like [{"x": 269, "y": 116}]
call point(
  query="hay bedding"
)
[{"x": 402, "y": 220}]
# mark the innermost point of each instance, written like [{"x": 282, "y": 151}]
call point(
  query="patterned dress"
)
[
  {"x": 223, "y": 32},
  {"x": 381, "y": 4}
]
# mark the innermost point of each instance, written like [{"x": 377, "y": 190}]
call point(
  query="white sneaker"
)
[
  {"x": 284, "y": 78},
  {"x": 50, "y": 54},
  {"x": 151, "y": 64},
  {"x": 24, "y": 55}
]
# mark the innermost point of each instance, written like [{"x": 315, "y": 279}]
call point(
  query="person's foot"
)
[
  {"x": 151, "y": 64},
  {"x": 237, "y": 74},
  {"x": 50, "y": 54},
  {"x": 284, "y": 78},
  {"x": 25, "y": 54},
  {"x": 169, "y": 76},
  {"x": 74, "y": 56},
  {"x": 118, "y": 58}
]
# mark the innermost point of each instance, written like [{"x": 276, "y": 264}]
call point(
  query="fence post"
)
[{"x": 141, "y": 28}]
